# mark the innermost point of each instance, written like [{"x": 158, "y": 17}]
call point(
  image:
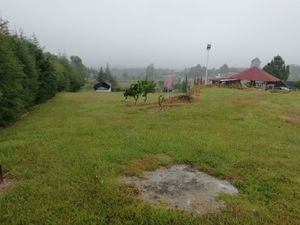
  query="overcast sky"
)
[{"x": 168, "y": 33}]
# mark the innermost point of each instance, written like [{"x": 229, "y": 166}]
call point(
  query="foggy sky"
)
[{"x": 168, "y": 33}]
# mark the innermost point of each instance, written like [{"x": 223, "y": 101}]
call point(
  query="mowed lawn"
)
[{"x": 68, "y": 157}]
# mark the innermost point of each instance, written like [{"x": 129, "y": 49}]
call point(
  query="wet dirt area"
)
[{"x": 183, "y": 187}]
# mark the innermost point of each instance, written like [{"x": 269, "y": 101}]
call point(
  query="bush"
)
[
  {"x": 297, "y": 84},
  {"x": 141, "y": 88}
]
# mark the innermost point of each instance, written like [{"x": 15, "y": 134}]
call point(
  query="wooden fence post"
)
[{"x": 1, "y": 175}]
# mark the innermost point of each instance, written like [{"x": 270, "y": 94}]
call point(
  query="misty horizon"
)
[{"x": 169, "y": 34}]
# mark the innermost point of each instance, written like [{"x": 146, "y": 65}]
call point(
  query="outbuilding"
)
[{"x": 102, "y": 87}]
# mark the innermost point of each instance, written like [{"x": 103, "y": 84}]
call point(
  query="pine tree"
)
[
  {"x": 30, "y": 79},
  {"x": 278, "y": 68},
  {"x": 11, "y": 75},
  {"x": 4, "y": 26},
  {"x": 111, "y": 79},
  {"x": 101, "y": 75},
  {"x": 29, "y": 76}
]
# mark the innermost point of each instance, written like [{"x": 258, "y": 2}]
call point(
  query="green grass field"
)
[{"x": 69, "y": 154}]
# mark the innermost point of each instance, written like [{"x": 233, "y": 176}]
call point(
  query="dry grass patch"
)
[
  {"x": 247, "y": 101},
  {"x": 149, "y": 162},
  {"x": 292, "y": 118}
]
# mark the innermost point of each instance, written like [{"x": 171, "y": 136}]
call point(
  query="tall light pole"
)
[{"x": 208, "y": 49}]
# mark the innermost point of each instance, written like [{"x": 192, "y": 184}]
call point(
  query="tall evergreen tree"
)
[
  {"x": 107, "y": 73},
  {"x": 30, "y": 78},
  {"x": 11, "y": 89},
  {"x": 101, "y": 75},
  {"x": 110, "y": 78},
  {"x": 4, "y": 26},
  {"x": 79, "y": 73},
  {"x": 46, "y": 74},
  {"x": 62, "y": 71},
  {"x": 278, "y": 68},
  {"x": 48, "y": 83},
  {"x": 106, "y": 76}
]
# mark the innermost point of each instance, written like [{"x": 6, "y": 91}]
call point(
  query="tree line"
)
[
  {"x": 276, "y": 67},
  {"x": 30, "y": 76}
]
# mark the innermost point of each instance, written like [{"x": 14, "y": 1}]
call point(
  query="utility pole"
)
[
  {"x": 208, "y": 49},
  {"x": 1, "y": 175},
  {"x": 186, "y": 83}
]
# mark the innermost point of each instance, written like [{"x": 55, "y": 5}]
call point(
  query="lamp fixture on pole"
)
[{"x": 208, "y": 48}]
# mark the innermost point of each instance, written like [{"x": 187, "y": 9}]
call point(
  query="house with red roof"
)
[{"x": 253, "y": 77}]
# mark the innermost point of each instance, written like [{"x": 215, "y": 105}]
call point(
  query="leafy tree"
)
[
  {"x": 178, "y": 86},
  {"x": 160, "y": 101},
  {"x": 79, "y": 74},
  {"x": 134, "y": 92},
  {"x": 224, "y": 69},
  {"x": 161, "y": 84},
  {"x": 147, "y": 87},
  {"x": 255, "y": 63},
  {"x": 82, "y": 71},
  {"x": 297, "y": 84},
  {"x": 196, "y": 71},
  {"x": 141, "y": 88},
  {"x": 278, "y": 68},
  {"x": 63, "y": 72},
  {"x": 66, "y": 74}
]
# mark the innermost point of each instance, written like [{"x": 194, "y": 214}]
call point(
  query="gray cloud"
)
[{"x": 168, "y": 33}]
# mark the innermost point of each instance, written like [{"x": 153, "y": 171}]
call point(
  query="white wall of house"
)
[{"x": 102, "y": 90}]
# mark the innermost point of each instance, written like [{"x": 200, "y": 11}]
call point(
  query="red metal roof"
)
[{"x": 255, "y": 74}]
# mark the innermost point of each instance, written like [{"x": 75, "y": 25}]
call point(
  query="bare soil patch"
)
[
  {"x": 183, "y": 99},
  {"x": 173, "y": 102},
  {"x": 182, "y": 187},
  {"x": 8, "y": 182}
]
